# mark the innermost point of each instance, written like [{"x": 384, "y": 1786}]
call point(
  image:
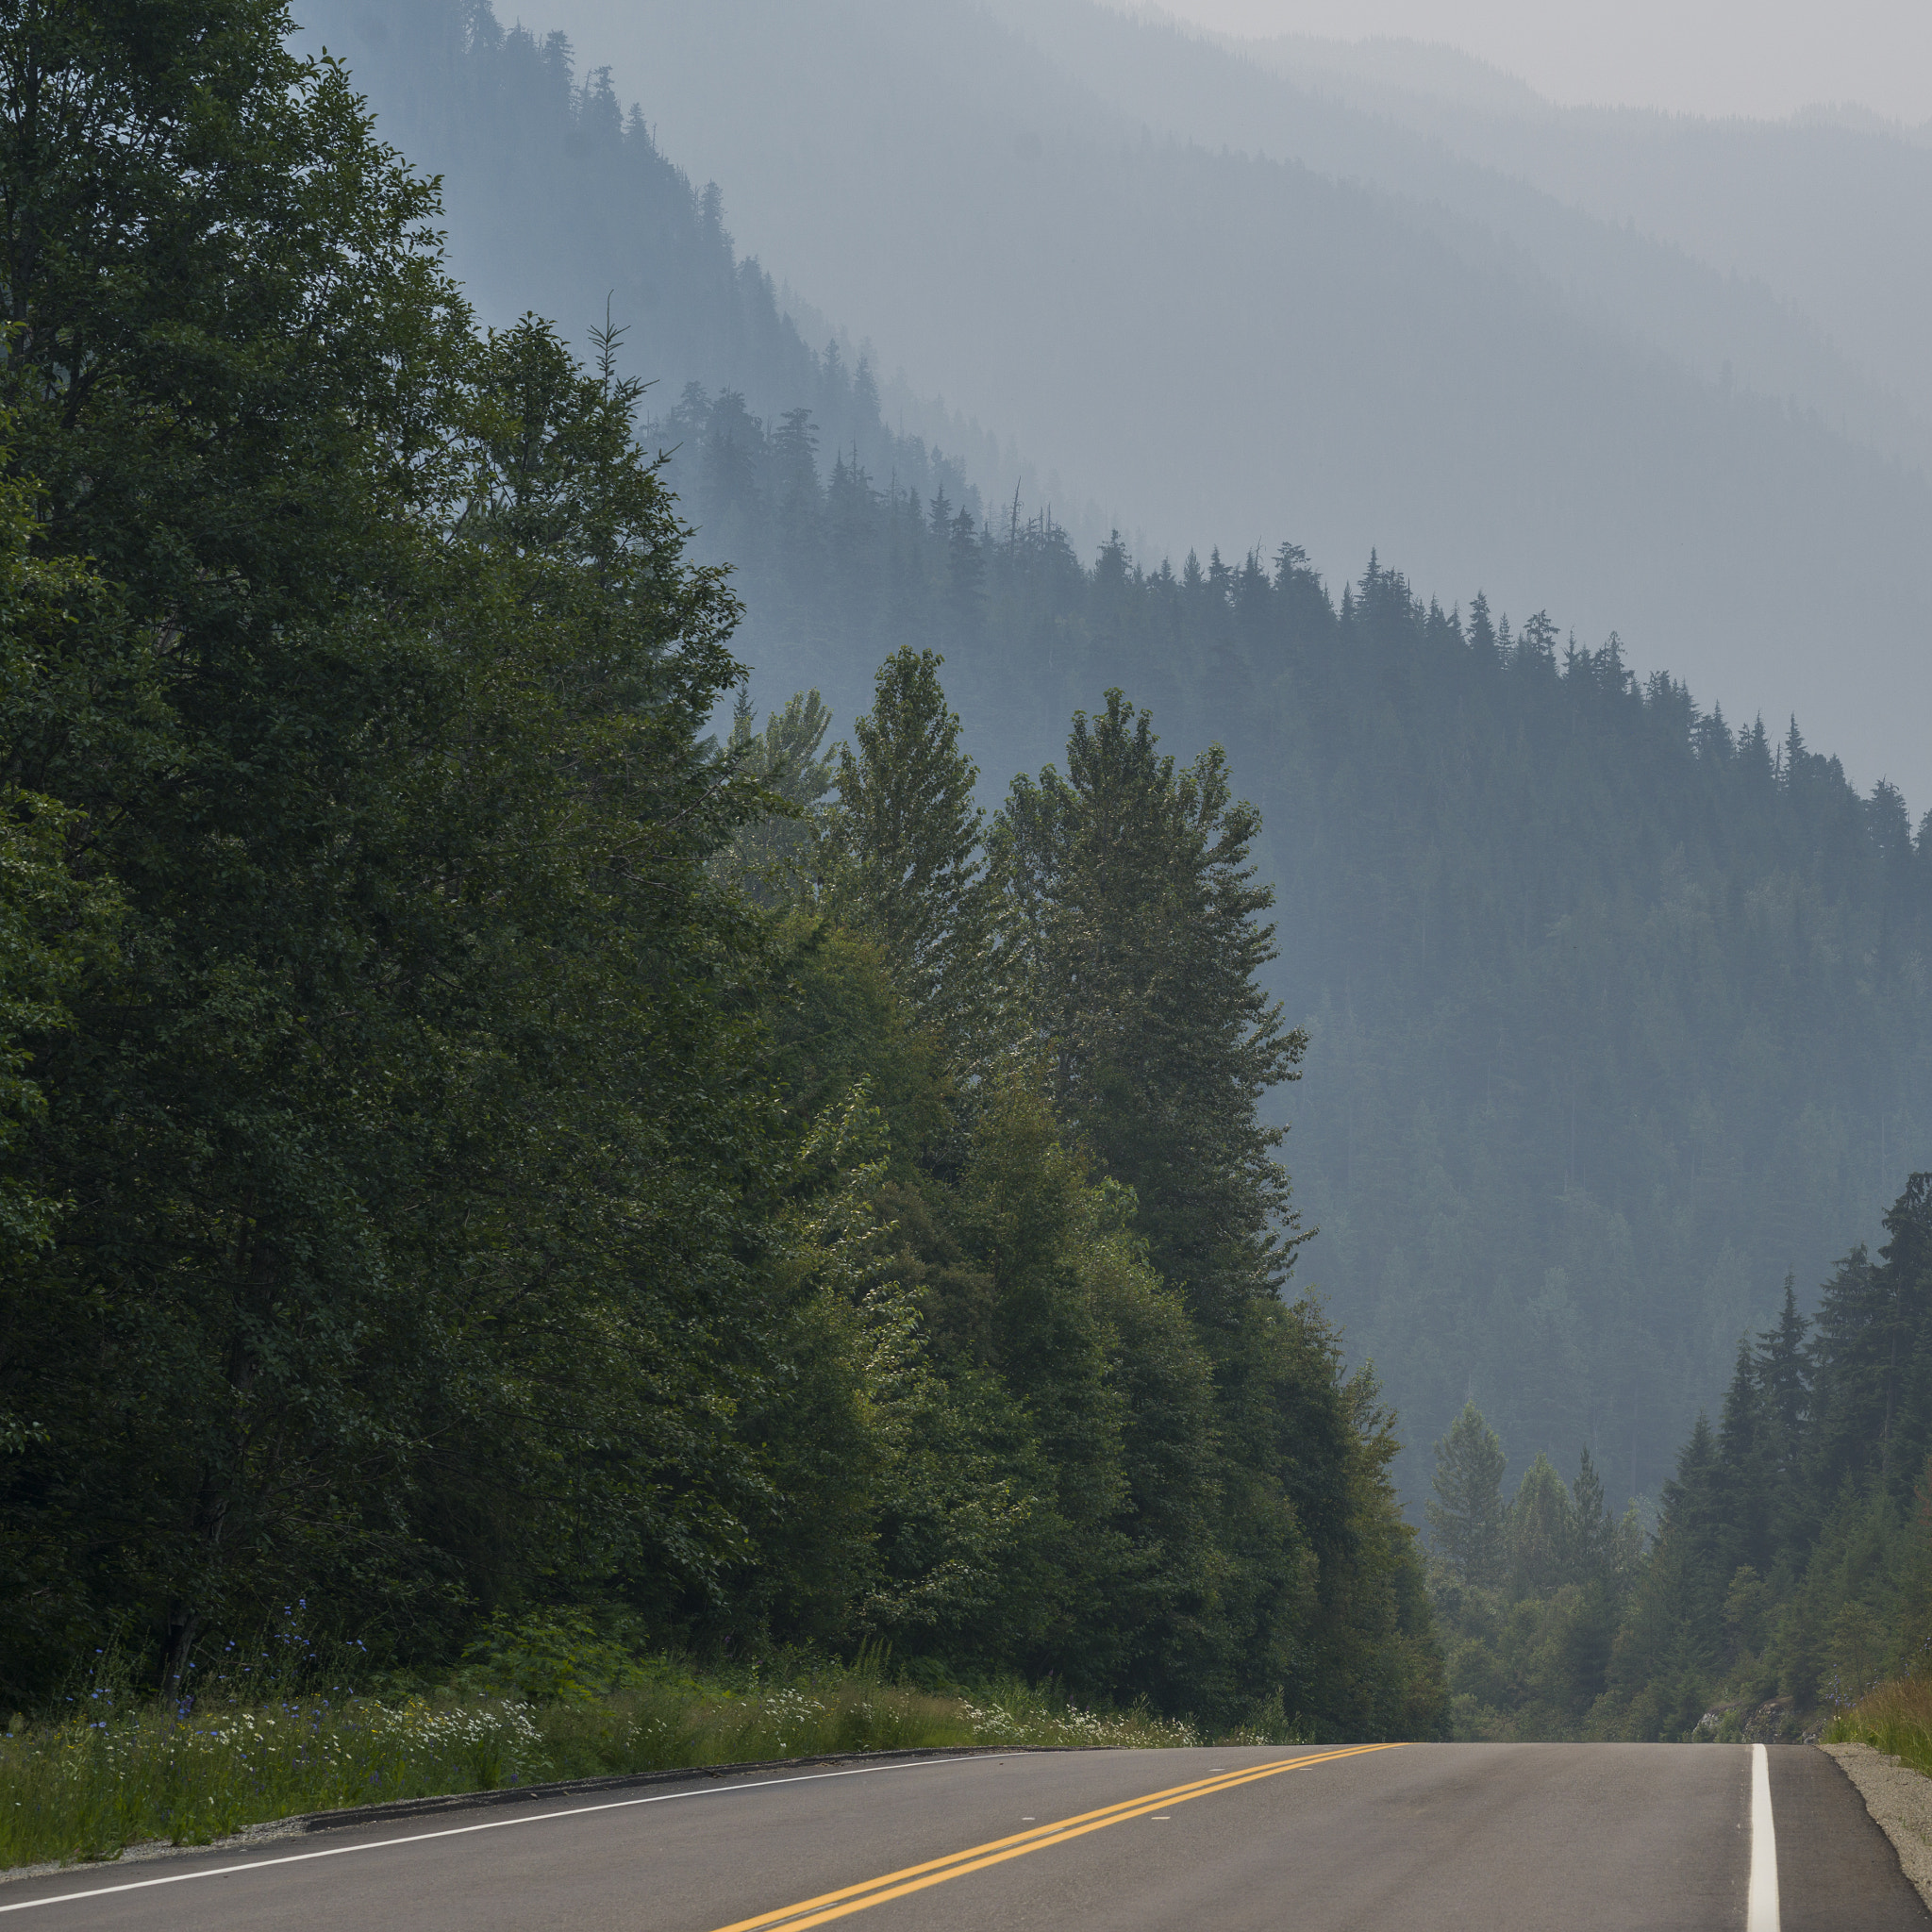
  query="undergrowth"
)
[
  {"x": 534, "y": 1703},
  {"x": 1895, "y": 1717}
]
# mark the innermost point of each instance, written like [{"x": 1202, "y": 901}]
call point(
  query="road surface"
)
[{"x": 1505, "y": 1838}]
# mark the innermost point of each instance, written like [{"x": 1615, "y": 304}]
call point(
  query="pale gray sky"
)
[{"x": 1765, "y": 58}]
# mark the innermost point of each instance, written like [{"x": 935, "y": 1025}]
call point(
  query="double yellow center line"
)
[{"x": 878, "y": 1892}]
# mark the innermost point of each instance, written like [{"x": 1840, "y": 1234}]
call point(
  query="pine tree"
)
[
  {"x": 1745, "y": 1466},
  {"x": 965, "y": 573},
  {"x": 1542, "y": 1531},
  {"x": 1596, "y": 1549},
  {"x": 774, "y": 856},
  {"x": 1139, "y": 922},
  {"x": 1467, "y": 1523},
  {"x": 909, "y": 867}
]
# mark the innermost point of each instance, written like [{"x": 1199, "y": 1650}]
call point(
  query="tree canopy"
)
[{"x": 471, "y": 1141}]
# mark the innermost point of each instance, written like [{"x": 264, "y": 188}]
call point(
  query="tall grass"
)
[
  {"x": 125, "y": 1774},
  {"x": 1895, "y": 1717}
]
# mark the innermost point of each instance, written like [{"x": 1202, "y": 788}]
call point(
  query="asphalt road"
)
[{"x": 1508, "y": 1838}]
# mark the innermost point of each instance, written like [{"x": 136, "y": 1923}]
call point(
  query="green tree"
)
[
  {"x": 774, "y": 856},
  {"x": 1139, "y": 928},
  {"x": 57, "y": 913},
  {"x": 1541, "y": 1531},
  {"x": 1468, "y": 1525},
  {"x": 1603, "y": 1549},
  {"x": 412, "y": 1142},
  {"x": 909, "y": 867}
]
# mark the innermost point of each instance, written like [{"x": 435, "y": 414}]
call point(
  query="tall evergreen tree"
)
[
  {"x": 774, "y": 856},
  {"x": 1467, "y": 1523},
  {"x": 907, "y": 865},
  {"x": 1541, "y": 1531},
  {"x": 1599, "y": 1550},
  {"x": 392, "y": 735},
  {"x": 1140, "y": 927}
]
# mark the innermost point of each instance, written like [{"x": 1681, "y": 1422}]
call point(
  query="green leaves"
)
[
  {"x": 435, "y": 1188},
  {"x": 1467, "y": 1521},
  {"x": 410, "y": 1146},
  {"x": 1137, "y": 918},
  {"x": 907, "y": 866},
  {"x": 1149, "y": 1487}
]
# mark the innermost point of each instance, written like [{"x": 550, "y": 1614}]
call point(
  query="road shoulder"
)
[
  {"x": 299, "y": 1823},
  {"x": 1900, "y": 1802}
]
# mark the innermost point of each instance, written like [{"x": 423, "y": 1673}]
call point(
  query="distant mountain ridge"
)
[
  {"x": 1221, "y": 347},
  {"x": 1541, "y": 192},
  {"x": 1828, "y": 212},
  {"x": 557, "y": 199},
  {"x": 1384, "y": 63}
]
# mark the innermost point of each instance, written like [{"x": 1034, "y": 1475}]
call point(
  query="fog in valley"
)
[{"x": 1655, "y": 378}]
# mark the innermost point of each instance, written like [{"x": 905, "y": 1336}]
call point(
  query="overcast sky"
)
[{"x": 1708, "y": 56}]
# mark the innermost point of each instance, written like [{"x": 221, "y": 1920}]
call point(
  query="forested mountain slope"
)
[
  {"x": 557, "y": 200},
  {"x": 1224, "y": 347},
  {"x": 1792, "y": 1571},
  {"x": 448, "y": 1178},
  {"x": 1618, "y": 1012}
]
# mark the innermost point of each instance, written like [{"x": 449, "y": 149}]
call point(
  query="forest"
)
[
  {"x": 1616, "y": 1011},
  {"x": 1614, "y": 1003},
  {"x": 1791, "y": 1572},
  {"x": 631, "y": 1000},
  {"x": 470, "y": 1144},
  {"x": 1608, "y": 371}
]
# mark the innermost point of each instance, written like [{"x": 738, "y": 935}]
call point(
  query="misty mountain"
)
[
  {"x": 1592, "y": 205},
  {"x": 1617, "y": 1011},
  {"x": 1618, "y": 1015},
  {"x": 1219, "y": 344},
  {"x": 1830, "y": 212},
  {"x": 558, "y": 199}
]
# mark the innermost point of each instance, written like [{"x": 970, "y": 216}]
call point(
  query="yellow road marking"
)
[{"x": 892, "y": 1885}]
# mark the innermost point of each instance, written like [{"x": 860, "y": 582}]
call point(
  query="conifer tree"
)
[
  {"x": 774, "y": 858},
  {"x": 1542, "y": 1531},
  {"x": 1468, "y": 1525},
  {"x": 907, "y": 865},
  {"x": 1139, "y": 922},
  {"x": 1597, "y": 1551}
]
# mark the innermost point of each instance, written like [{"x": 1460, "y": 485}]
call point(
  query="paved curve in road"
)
[{"x": 1507, "y": 1837}]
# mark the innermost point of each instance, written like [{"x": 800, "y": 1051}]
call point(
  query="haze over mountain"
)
[
  {"x": 1828, "y": 212},
  {"x": 1082, "y": 230},
  {"x": 1718, "y": 59}
]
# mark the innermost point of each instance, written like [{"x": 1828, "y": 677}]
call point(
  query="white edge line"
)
[
  {"x": 417, "y": 1838},
  {"x": 1762, "y": 1912}
]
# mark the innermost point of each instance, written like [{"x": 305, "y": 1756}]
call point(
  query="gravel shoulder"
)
[{"x": 1900, "y": 1802}]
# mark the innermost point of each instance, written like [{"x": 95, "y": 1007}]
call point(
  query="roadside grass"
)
[
  {"x": 129, "y": 1772},
  {"x": 1895, "y": 1717}
]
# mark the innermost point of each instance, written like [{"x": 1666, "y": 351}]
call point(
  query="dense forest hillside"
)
[
  {"x": 1791, "y": 1572},
  {"x": 557, "y": 199},
  {"x": 472, "y": 1146},
  {"x": 480, "y": 1138},
  {"x": 1224, "y": 342},
  {"x": 1617, "y": 1011}
]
